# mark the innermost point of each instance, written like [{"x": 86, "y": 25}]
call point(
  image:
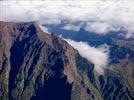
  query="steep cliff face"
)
[
  {"x": 36, "y": 65},
  {"x": 117, "y": 82}
]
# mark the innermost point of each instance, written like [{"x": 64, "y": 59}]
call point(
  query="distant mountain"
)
[
  {"x": 117, "y": 52},
  {"x": 35, "y": 65}
]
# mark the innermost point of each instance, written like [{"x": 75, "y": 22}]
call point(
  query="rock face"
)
[
  {"x": 117, "y": 83},
  {"x": 38, "y": 66}
]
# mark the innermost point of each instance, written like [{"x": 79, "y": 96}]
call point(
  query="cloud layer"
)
[
  {"x": 100, "y": 16},
  {"x": 98, "y": 56}
]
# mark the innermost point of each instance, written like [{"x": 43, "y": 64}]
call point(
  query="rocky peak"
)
[
  {"x": 33, "y": 61},
  {"x": 35, "y": 65}
]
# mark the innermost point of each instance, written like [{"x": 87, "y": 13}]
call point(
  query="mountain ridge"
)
[
  {"x": 35, "y": 65},
  {"x": 27, "y": 53}
]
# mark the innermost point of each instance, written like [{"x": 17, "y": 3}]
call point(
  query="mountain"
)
[
  {"x": 35, "y": 65},
  {"x": 121, "y": 56},
  {"x": 117, "y": 52}
]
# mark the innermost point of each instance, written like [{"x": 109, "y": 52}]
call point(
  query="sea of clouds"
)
[{"x": 100, "y": 16}]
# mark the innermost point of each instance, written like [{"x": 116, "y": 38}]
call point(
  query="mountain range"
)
[{"x": 35, "y": 65}]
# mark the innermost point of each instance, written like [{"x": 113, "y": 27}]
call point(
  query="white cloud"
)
[
  {"x": 98, "y": 56},
  {"x": 128, "y": 35},
  {"x": 101, "y": 16},
  {"x": 98, "y": 27},
  {"x": 71, "y": 27}
]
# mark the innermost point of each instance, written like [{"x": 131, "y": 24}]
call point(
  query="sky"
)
[{"x": 98, "y": 16}]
